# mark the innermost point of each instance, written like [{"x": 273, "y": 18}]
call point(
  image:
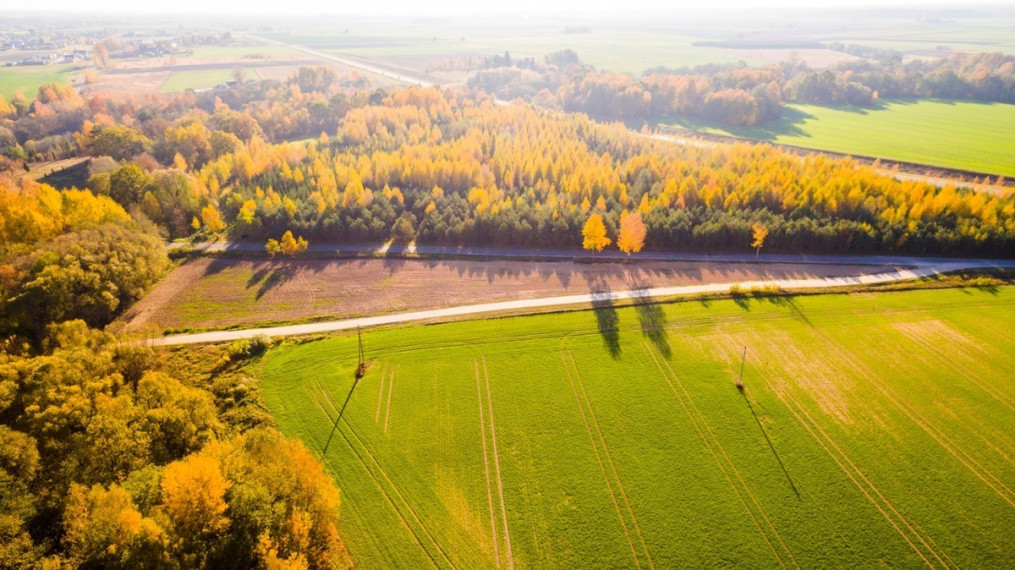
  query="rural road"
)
[
  {"x": 924, "y": 268},
  {"x": 402, "y": 76}
]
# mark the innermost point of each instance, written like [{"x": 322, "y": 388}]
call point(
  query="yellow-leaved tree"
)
[
  {"x": 594, "y": 234},
  {"x": 288, "y": 246},
  {"x": 193, "y": 494},
  {"x": 632, "y": 233},
  {"x": 760, "y": 232}
]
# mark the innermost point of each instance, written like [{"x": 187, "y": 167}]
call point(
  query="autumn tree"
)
[
  {"x": 632, "y": 233},
  {"x": 212, "y": 219},
  {"x": 288, "y": 246},
  {"x": 594, "y": 234},
  {"x": 759, "y": 232},
  {"x": 100, "y": 55}
]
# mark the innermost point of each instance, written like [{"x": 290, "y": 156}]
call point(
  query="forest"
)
[
  {"x": 459, "y": 168},
  {"x": 113, "y": 454}
]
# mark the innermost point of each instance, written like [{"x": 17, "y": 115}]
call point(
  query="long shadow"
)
[
  {"x": 278, "y": 277},
  {"x": 607, "y": 319},
  {"x": 650, "y": 316},
  {"x": 743, "y": 392}
]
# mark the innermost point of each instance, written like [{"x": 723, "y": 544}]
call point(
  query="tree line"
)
[{"x": 741, "y": 95}]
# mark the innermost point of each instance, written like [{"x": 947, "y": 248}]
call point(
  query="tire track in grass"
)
[
  {"x": 380, "y": 394},
  {"x": 496, "y": 463},
  {"x": 870, "y": 491},
  {"x": 391, "y": 388},
  {"x": 711, "y": 443},
  {"x": 381, "y": 488},
  {"x": 398, "y": 493},
  {"x": 486, "y": 465},
  {"x": 1001, "y": 397},
  {"x": 609, "y": 460},
  {"x": 954, "y": 449},
  {"x": 395, "y": 488},
  {"x": 602, "y": 466}
]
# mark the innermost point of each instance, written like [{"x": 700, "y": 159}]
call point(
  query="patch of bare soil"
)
[{"x": 210, "y": 292}]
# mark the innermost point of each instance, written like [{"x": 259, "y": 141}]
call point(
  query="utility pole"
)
[
  {"x": 361, "y": 370},
  {"x": 361, "y": 366},
  {"x": 740, "y": 378}
]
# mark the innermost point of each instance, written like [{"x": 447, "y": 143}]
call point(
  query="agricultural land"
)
[
  {"x": 963, "y": 135},
  {"x": 873, "y": 429},
  {"x": 218, "y": 293}
]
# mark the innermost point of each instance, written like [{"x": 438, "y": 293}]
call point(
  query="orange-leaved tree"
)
[
  {"x": 594, "y": 234},
  {"x": 632, "y": 233}
]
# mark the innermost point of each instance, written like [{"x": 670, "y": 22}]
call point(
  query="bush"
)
[{"x": 248, "y": 347}]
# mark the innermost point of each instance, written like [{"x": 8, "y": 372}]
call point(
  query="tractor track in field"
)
[
  {"x": 609, "y": 460},
  {"x": 856, "y": 475},
  {"x": 486, "y": 465},
  {"x": 936, "y": 433},
  {"x": 377, "y": 483},
  {"x": 496, "y": 463},
  {"x": 380, "y": 394},
  {"x": 1002, "y": 398},
  {"x": 391, "y": 389},
  {"x": 380, "y": 469},
  {"x": 602, "y": 466},
  {"x": 688, "y": 404}
]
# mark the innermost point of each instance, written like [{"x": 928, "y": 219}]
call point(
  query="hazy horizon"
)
[{"x": 445, "y": 8}]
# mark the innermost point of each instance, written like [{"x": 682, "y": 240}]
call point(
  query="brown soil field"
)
[{"x": 219, "y": 293}]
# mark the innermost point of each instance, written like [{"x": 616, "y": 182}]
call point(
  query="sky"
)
[{"x": 453, "y": 7}]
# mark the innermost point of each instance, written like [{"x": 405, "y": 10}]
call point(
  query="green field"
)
[
  {"x": 874, "y": 430},
  {"x": 182, "y": 80},
  {"x": 27, "y": 79},
  {"x": 954, "y": 134}
]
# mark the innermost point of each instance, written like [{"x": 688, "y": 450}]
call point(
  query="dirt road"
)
[{"x": 571, "y": 300}]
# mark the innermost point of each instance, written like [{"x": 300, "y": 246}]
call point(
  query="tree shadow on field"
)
[
  {"x": 278, "y": 276},
  {"x": 650, "y": 316},
  {"x": 607, "y": 319}
]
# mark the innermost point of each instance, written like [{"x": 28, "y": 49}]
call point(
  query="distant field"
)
[
  {"x": 27, "y": 79},
  {"x": 954, "y": 134},
  {"x": 181, "y": 80},
  {"x": 248, "y": 51},
  {"x": 874, "y": 430}
]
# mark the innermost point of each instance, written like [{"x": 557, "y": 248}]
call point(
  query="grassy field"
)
[
  {"x": 874, "y": 430},
  {"x": 181, "y": 80},
  {"x": 28, "y": 79},
  {"x": 954, "y": 134}
]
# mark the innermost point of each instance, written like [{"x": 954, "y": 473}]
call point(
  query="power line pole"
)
[
  {"x": 361, "y": 365},
  {"x": 740, "y": 378}
]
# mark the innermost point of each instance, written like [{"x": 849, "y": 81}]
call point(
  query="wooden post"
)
[
  {"x": 740, "y": 378},
  {"x": 361, "y": 364}
]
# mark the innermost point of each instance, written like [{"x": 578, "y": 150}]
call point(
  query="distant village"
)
[{"x": 52, "y": 47}]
